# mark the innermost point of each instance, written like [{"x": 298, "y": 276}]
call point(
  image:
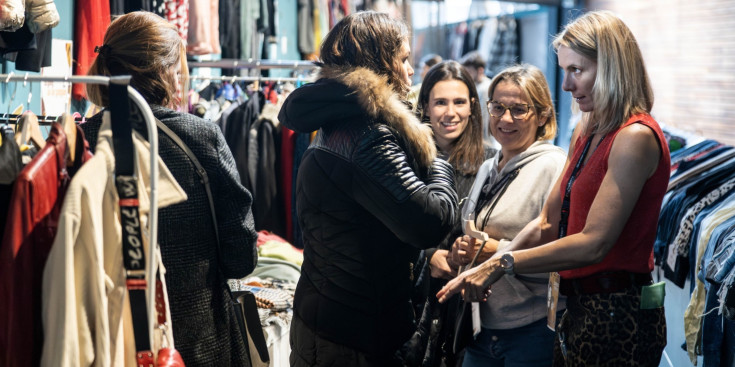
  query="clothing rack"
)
[
  {"x": 42, "y": 120},
  {"x": 254, "y": 64},
  {"x": 153, "y": 140},
  {"x": 235, "y": 78}
]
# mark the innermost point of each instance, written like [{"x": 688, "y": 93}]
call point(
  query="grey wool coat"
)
[{"x": 206, "y": 332}]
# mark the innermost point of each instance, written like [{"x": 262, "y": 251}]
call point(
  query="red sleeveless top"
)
[{"x": 633, "y": 251}]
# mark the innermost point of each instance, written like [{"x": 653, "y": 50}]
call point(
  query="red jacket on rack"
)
[
  {"x": 91, "y": 19},
  {"x": 33, "y": 215}
]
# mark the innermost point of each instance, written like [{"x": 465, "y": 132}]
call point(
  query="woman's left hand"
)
[{"x": 474, "y": 283}]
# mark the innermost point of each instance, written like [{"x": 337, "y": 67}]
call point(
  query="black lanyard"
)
[
  {"x": 494, "y": 194},
  {"x": 568, "y": 192}
]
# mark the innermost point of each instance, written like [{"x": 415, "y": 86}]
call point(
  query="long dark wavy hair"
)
[
  {"x": 371, "y": 40},
  {"x": 468, "y": 152}
]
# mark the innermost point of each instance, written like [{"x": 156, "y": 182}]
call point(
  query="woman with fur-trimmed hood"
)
[{"x": 370, "y": 194}]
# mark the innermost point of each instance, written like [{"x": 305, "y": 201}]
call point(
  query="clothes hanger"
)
[
  {"x": 78, "y": 116},
  {"x": 30, "y": 130},
  {"x": 21, "y": 131},
  {"x": 6, "y": 117},
  {"x": 91, "y": 110},
  {"x": 27, "y": 126},
  {"x": 256, "y": 83},
  {"x": 69, "y": 126}
]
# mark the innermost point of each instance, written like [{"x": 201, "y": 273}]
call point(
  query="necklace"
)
[{"x": 568, "y": 191}]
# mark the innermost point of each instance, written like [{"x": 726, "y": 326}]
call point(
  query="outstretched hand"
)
[{"x": 474, "y": 283}]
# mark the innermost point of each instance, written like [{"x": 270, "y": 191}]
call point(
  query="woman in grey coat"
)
[{"x": 148, "y": 48}]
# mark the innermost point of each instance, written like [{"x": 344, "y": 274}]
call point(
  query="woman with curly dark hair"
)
[{"x": 370, "y": 194}]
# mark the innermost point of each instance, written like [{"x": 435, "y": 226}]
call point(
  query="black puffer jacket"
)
[
  {"x": 370, "y": 194},
  {"x": 205, "y": 329}
]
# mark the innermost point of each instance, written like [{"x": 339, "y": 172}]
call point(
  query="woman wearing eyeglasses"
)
[
  {"x": 509, "y": 192},
  {"x": 599, "y": 223}
]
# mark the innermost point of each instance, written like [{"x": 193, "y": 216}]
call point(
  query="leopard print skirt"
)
[{"x": 610, "y": 330}]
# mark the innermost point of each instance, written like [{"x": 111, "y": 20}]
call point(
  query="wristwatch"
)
[{"x": 507, "y": 262}]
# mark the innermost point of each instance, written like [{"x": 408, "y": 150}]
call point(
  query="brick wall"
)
[{"x": 689, "y": 49}]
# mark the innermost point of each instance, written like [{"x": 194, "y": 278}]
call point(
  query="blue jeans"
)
[{"x": 526, "y": 346}]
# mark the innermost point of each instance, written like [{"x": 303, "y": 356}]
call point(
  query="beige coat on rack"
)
[{"x": 85, "y": 319}]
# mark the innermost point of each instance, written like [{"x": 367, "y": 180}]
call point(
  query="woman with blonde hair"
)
[
  {"x": 508, "y": 193},
  {"x": 599, "y": 222},
  {"x": 198, "y": 256}
]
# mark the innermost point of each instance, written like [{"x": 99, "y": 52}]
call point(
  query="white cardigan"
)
[{"x": 517, "y": 301}]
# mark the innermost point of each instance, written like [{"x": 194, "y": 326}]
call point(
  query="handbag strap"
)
[
  {"x": 126, "y": 184},
  {"x": 246, "y": 308},
  {"x": 494, "y": 193},
  {"x": 203, "y": 177}
]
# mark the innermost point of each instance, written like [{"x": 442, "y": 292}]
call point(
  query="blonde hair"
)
[
  {"x": 535, "y": 89},
  {"x": 371, "y": 40},
  {"x": 622, "y": 88},
  {"x": 146, "y": 47}
]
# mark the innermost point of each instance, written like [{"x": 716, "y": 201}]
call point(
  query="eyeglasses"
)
[{"x": 518, "y": 111}]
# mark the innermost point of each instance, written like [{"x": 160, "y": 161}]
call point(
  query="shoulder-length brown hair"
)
[
  {"x": 468, "y": 152},
  {"x": 146, "y": 47},
  {"x": 371, "y": 40},
  {"x": 534, "y": 87},
  {"x": 622, "y": 88}
]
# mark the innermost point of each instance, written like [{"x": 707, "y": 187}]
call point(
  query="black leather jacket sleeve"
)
[{"x": 420, "y": 213}]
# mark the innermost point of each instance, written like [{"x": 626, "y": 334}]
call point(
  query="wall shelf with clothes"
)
[
  {"x": 694, "y": 250},
  {"x": 60, "y": 241},
  {"x": 245, "y": 106}
]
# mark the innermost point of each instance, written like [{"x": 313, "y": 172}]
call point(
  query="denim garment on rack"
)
[
  {"x": 659, "y": 245},
  {"x": 690, "y": 151},
  {"x": 718, "y": 332},
  {"x": 727, "y": 295},
  {"x": 697, "y": 269},
  {"x": 719, "y": 259},
  {"x": 712, "y": 328},
  {"x": 715, "y": 239},
  {"x": 689, "y": 163},
  {"x": 671, "y": 217}
]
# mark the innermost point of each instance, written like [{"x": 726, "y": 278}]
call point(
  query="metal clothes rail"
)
[
  {"x": 254, "y": 64},
  {"x": 237, "y": 78},
  {"x": 138, "y": 99}
]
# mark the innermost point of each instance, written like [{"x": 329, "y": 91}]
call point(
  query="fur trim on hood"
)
[{"x": 379, "y": 101}]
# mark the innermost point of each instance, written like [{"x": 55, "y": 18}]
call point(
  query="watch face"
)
[{"x": 506, "y": 261}]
